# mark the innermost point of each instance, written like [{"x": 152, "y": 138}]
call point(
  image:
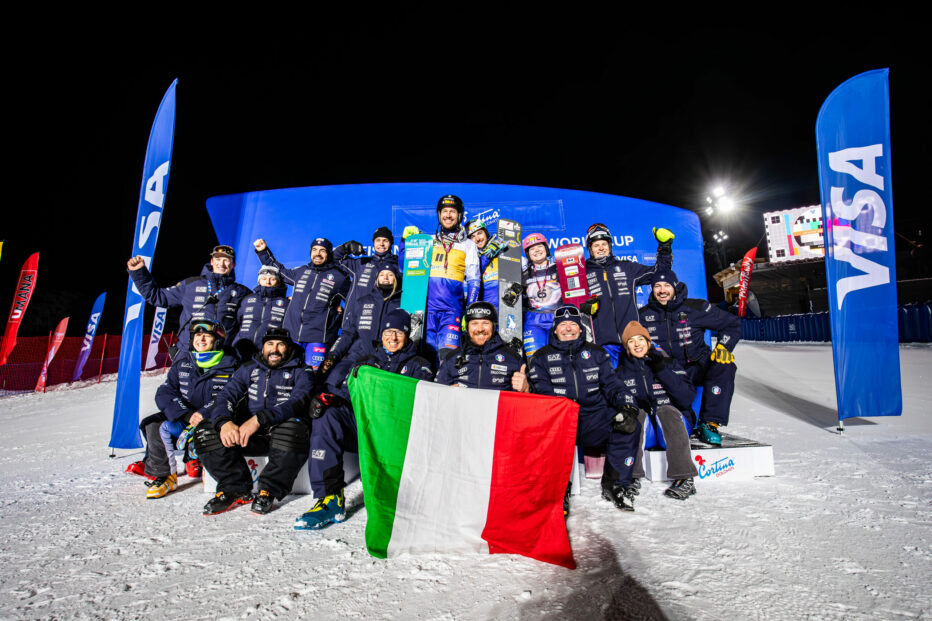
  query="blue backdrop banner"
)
[
  {"x": 92, "y": 323},
  {"x": 125, "y": 430},
  {"x": 289, "y": 219},
  {"x": 853, "y": 137}
]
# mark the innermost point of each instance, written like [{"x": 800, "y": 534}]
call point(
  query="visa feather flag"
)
[
  {"x": 92, "y": 323},
  {"x": 124, "y": 432},
  {"x": 855, "y": 180},
  {"x": 456, "y": 470}
]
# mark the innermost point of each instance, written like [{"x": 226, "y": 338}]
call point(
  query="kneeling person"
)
[
  {"x": 275, "y": 386},
  {"x": 334, "y": 430}
]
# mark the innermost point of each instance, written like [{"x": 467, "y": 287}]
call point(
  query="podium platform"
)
[
  {"x": 735, "y": 460},
  {"x": 302, "y": 484}
]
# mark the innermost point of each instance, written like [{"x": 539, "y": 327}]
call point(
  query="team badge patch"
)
[
  {"x": 499, "y": 358},
  {"x": 629, "y": 461},
  {"x": 585, "y": 355},
  {"x": 716, "y": 390},
  {"x": 286, "y": 375}
]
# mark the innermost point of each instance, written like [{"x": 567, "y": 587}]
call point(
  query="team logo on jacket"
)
[
  {"x": 404, "y": 369},
  {"x": 329, "y": 276},
  {"x": 716, "y": 390},
  {"x": 630, "y": 382},
  {"x": 286, "y": 375},
  {"x": 649, "y": 318},
  {"x": 629, "y": 461},
  {"x": 585, "y": 355},
  {"x": 279, "y": 303},
  {"x": 499, "y": 358},
  {"x": 553, "y": 357}
]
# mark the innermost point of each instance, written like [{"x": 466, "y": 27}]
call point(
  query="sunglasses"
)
[{"x": 223, "y": 250}]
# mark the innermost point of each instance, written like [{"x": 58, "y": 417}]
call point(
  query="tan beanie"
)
[{"x": 633, "y": 329}]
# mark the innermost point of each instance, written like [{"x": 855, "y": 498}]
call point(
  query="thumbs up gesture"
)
[{"x": 519, "y": 381}]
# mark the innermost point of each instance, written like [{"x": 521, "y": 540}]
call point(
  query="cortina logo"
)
[
  {"x": 484, "y": 217},
  {"x": 717, "y": 468}
]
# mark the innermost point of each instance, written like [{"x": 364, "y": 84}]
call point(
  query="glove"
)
[
  {"x": 494, "y": 247},
  {"x": 590, "y": 306},
  {"x": 353, "y": 247},
  {"x": 626, "y": 421},
  {"x": 656, "y": 360},
  {"x": 326, "y": 365},
  {"x": 512, "y": 294},
  {"x": 664, "y": 239},
  {"x": 721, "y": 355},
  {"x": 320, "y": 403},
  {"x": 368, "y": 361},
  {"x": 409, "y": 231}
]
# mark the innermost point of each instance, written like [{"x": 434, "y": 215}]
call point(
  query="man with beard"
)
[
  {"x": 677, "y": 324},
  {"x": 213, "y": 295},
  {"x": 364, "y": 269},
  {"x": 570, "y": 367},
  {"x": 262, "y": 410},
  {"x": 334, "y": 429},
  {"x": 614, "y": 281},
  {"x": 489, "y": 248},
  {"x": 483, "y": 360},
  {"x": 314, "y": 315}
]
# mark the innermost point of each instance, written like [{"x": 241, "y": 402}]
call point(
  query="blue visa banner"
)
[
  {"x": 124, "y": 433},
  {"x": 92, "y": 323},
  {"x": 853, "y": 137}
]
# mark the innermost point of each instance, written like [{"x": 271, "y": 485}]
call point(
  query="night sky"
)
[{"x": 624, "y": 104}]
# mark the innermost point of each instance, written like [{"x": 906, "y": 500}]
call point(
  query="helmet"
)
[
  {"x": 208, "y": 326},
  {"x": 450, "y": 201},
  {"x": 480, "y": 310},
  {"x": 532, "y": 240},
  {"x": 596, "y": 232},
  {"x": 476, "y": 225}
]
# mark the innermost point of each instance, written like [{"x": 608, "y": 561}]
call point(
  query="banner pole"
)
[
  {"x": 47, "y": 355},
  {"x": 171, "y": 337}
]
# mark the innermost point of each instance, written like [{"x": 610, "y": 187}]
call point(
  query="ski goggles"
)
[
  {"x": 566, "y": 312},
  {"x": 205, "y": 327},
  {"x": 223, "y": 251}
]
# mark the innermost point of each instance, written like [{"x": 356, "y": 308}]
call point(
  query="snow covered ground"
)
[{"x": 842, "y": 531}]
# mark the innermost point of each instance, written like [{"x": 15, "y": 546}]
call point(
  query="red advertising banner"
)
[
  {"x": 57, "y": 338},
  {"x": 747, "y": 266},
  {"x": 24, "y": 289}
]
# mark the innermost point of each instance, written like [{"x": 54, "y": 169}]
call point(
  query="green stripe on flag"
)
[{"x": 383, "y": 403}]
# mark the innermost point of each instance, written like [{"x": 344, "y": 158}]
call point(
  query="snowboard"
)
[
  {"x": 510, "y": 316},
  {"x": 571, "y": 270},
  {"x": 416, "y": 273}
]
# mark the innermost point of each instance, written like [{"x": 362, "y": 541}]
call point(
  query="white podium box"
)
[
  {"x": 302, "y": 484},
  {"x": 736, "y": 459}
]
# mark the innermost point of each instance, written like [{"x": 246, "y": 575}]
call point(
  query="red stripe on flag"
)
[{"x": 535, "y": 438}]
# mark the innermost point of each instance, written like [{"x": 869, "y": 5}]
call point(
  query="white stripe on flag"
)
[{"x": 443, "y": 495}]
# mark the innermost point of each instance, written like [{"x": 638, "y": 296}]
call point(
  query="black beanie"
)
[{"x": 384, "y": 231}]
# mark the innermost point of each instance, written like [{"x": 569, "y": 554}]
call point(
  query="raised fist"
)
[
  {"x": 260, "y": 245},
  {"x": 135, "y": 263},
  {"x": 409, "y": 231}
]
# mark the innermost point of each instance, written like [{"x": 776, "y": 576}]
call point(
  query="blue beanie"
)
[
  {"x": 325, "y": 244},
  {"x": 398, "y": 319},
  {"x": 665, "y": 274}
]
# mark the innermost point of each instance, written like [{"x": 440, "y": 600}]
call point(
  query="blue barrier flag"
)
[
  {"x": 124, "y": 433},
  {"x": 92, "y": 323},
  {"x": 853, "y": 138}
]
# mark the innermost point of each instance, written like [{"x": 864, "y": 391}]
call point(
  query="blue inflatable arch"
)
[{"x": 289, "y": 219}]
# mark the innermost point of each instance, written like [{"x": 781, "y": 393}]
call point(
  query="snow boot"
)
[
  {"x": 262, "y": 503},
  {"x": 161, "y": 486},
  {"x": 139, "y": 468},
  {"x": 633, "y": 488},
  {"x": 328, "y": 509},
  {"x": 708, "y": 433},
  {"x": 681, "y": 489},
  {"x": 225, "y": 501},
  {"x": 194, "y": 469},
  {"x": 618, "y": 496}
]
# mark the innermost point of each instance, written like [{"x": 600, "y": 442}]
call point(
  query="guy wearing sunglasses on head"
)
[
  {"x": 214, "y": 294},
  {"x": 570, "y": 367}
]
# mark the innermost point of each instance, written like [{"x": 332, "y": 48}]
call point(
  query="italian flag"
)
[{"x": 453, "y": 470}]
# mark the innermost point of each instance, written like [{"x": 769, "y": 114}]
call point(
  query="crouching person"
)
[
  {"x": 334, "y": 430},
  {"x": 570, "y": 367},
  {"x": 261, "y": 411},
  {"x": 662, "y": 390},
  {"x": 195, "y": 379}
]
